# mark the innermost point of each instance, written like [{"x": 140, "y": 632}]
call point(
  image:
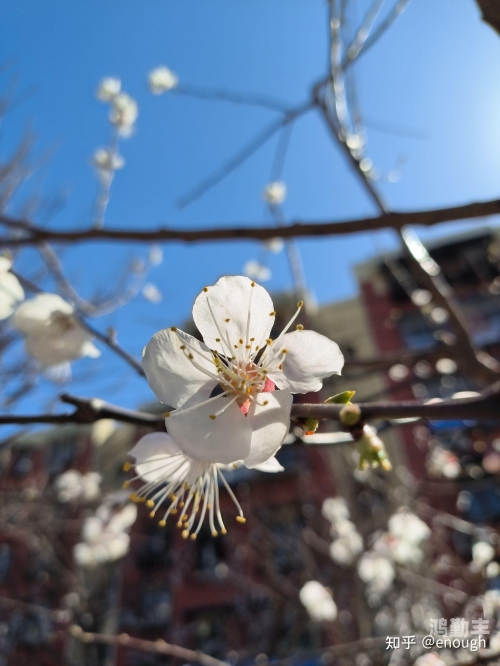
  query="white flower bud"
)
[{"x": 161, "y": 80}]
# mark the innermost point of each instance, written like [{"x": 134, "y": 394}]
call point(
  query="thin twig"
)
[{"x": 158, "y": 647}]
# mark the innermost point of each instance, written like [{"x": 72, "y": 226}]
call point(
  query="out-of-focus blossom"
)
[
  {"x": 377, "y": 572},
  {"x": 161, "y": 80},
  {"x": 482, "y": 553},
  {"x": 72, "y": 486},
  {"x": 256, "y": 271},
  {"x": 102, "y": 431},
  {"x": 335, "y": 508},
  {"x": 446, "y": 366},
  {"x": 274, "y": 245},
  {"x": 274, "y": 193},
  {"x": 155, "y": 255},
  {"x": 123, "y": 113},
  {"x": 11, "y": 292},
  {"x": 151, "y": 293},
  {"x": 104, "y": 536},
  {"x": 442, "y": 462},
  {"x": 106, "y": 160},
  {"x": 53, "y": 335},
  {"x": 491, "y": 603},
  {"x": 108, "y": 89},
  {"x": 408, "y": 527},
  {"x": 347, "y": 547},
  {"x": 318, "y": 602}
]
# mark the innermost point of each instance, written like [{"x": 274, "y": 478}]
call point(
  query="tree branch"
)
[
  {"x": 89, "y": 410},
  {"x": 298, "y": 229},
  {"x": 158, "y": 647}
]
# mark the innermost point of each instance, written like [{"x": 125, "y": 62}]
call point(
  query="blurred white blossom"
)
[
  {"x": 482, "y": 553},
  {"x": 408, "y": 527},
  {"x": 123, "y": 113},
  {"x": 318, "y": 602},
  {"x": 53, "y": 334},
  {"x": 104, "y": 536},
  {"x": 161, "y": 80},
  {"x": 155, "y": 255},
  {"x": 256, "y": 271},
  {"x": 108, "y": 89},
  {"x": 72, "y": 485},
  {"x": 105, "y": 159},
  {"x": 274, "y": 193},
  {"x": 377, "y": 572},
  {"x": 274, "y": 245},
  {"x": 11, "y": 292},
  {"x": 151, "y": 293}
]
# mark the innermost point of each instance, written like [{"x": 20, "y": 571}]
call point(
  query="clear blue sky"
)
[{"x": 436, "y": 73}]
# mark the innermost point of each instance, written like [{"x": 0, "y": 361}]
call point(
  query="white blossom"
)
[
  {"x": 11, "y": 292},
  {"x": 108, "y": 89},
  {"x": 161, "y": 80},
  {"x": 155, "y": 255},
  {"x": 106, "y": 160},
  {"x": 335, "y": 508},
  {"x": 178, "y": 482},
  {"x": 104, "y": 537},
  {"x": 408, "y": 527},
  {"x": 274, "y": 245},
  {"x": 123, "y": 113},
  {"x": 347, "y": 547},
  {"x": 249, "y": 420},
  {"x": 430, "y": 659},
  {"x": 72, "y": 486},
  {"x": 151, "y": 293},
  {"x": 274, "y": 193},
  {"x": 52, "y": 332},
  {"x": 482, "y": 553},
  {"x": 377, "y": 572},
  {"x": 318, "y": 602},
  {"x": 253, "y": 269}
]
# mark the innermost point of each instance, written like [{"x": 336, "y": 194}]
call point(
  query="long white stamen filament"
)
[{"x": 233, "y": 496}]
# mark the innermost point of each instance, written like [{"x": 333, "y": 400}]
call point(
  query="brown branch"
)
[
  {"x": 298, "y": 229},
  {"x": 490, "y": 10},
  {"x": 158, "y": 647},
  {"x": 88, "y": 410}
]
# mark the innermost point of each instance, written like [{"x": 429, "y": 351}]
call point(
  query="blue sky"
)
[{"x": 435, "y": 73}]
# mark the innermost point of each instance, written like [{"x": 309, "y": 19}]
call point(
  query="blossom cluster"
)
[
  {"x": 105, "y": 535},
  {"x": 231, "y": 397}
]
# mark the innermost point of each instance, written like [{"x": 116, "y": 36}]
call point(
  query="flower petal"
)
[
  {"x": 158, "y": 457},
  {"x": 35, "y": 313},
  {"x": 53, "y": 347},
  {"x": 11, "y": 293},
  {"x": 222, "y": 311},
  {"x": 270, "y": 466},
  {"x": 310, "y": 357},
  {"x": 270, "y": 424},
  {"x": 172, "y": 376},
  {"x": 221, "y": 440}
]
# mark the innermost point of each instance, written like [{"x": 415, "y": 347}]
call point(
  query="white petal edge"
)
[
  {"x": 221, "y": 440},
  {"x": 270, "y": 424},
  {"x": 158, "y": 457},
  {"x": 173, "y": 377},
  {"x": 271, "y": 466},
  {"x": 232, "y": 298},
  {"x": 310, "y": 358}
]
